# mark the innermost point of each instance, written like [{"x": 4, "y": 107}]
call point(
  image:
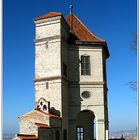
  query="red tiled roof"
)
[
  {"x": 33, "y": 114},
  {"x": 42, "y": 125},
  {"x": 79, "y": 30},
  {"x": 50, "y": 115},
  {"x": 38, "y": 114},
  {"x": 48, "y": 15},
  {"x": 27, "y": 137}
]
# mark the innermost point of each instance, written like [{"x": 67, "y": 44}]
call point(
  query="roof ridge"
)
[
  {"x": 50, "y": 115},
  {"x": 48, "y": 15},
  {"x": 26, "y": 113},
  {"x": 87, "y": 28}
]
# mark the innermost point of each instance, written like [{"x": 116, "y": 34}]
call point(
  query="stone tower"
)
[{"x": 70, "y": 82}]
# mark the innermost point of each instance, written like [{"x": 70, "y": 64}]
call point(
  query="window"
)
[
  {"x": 41, "y": 103},
  {"x": 38, "y": 107},
  {"x": 44, "y": 107},
  {"x": 47, "y": 85},
  {"x": 85, "y": 65},
  {"x": 65, "y": 69},
  {"x": 46, "y": 44},
  {"x": 80, "y": 133},
  {"x": 86, "y": 94}
]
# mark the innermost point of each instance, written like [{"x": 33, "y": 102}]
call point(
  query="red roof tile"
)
[
  {"x": 38, "y": 114},
  {"x": 48, "y": 15},
  {"x": 50, "y": 115},
  {"x": 34, "y": 115},
  {"x": 79, "y": 30},
  {"x": 42, "y": 125},
  {"x": 27, "y": 137}
]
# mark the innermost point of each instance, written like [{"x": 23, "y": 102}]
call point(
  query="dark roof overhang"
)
[{"x": 94, "y": 44}]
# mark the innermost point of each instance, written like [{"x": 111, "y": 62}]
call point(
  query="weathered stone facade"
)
[{"x": 70, "y": 100}]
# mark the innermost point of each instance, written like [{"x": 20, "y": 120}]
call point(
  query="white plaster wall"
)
[
  {"x": 47, "y": 28},
  {"x": 96, "y": 64},
  {"x": 48, "y": 60},
  {"x": 96, "y": 96},
  {"x": 75, "y": 65},
  {"x": 95, "y": 102},
  {"x": 52, "y": 94}
]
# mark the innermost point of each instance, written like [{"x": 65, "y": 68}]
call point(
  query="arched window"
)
[
  {"x": 44, "y": 107},
  {"x": 38, "y": 107},
  {"x": 83, "y": 129}
]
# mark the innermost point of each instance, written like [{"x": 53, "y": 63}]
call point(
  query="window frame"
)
[
  {"x": 85, "y": 65},
  {"x": 46, "y": 44},
  {"x": 80, "y": 133},
  {"x": 47, "y": 85}
]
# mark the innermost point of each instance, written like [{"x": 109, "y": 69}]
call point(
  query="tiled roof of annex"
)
[
  {"x": 27, "y": 137},
  {"x": 38, "y": 114}
]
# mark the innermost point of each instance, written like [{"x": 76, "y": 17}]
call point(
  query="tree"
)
[
  {"x": 134, "y": 41},
  {"x": 133, "y": 47}
]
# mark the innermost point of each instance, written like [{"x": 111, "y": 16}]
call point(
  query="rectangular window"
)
[
  {"x": 85, "y": 65},
  {"x": 65, "y": 69},
  {"x": 46, "y": 44},
  {"x": 80, "y": 133},
  {"x": 47, "y": 85}
]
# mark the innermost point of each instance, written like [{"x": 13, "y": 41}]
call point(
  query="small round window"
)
[{"x": 86, "y": 94}]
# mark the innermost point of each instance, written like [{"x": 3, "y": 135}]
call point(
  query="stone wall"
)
[
  {"x": 50, "y": 134},
  {"x": 27, "y": 122}
]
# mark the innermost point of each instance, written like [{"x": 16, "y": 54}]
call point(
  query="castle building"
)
[{"x": 70, "y": 85}]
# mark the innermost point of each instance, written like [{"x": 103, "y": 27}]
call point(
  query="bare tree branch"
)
[
  {"x": 133, "y": 85},
  {"x": 134, "y": 41}
]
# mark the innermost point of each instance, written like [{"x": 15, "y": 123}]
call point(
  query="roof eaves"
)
[
  {"x": 27, "y": 137},
  {"x": 79, "y": 42},
  {"x": 42, "y": 125},
  {"x": 104, "y": 44}
]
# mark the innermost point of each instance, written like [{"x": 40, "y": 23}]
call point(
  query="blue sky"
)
[{"x": 112, "y": 20}]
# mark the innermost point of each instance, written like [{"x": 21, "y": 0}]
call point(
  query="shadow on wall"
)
[{"x": 54, "y": 111}]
